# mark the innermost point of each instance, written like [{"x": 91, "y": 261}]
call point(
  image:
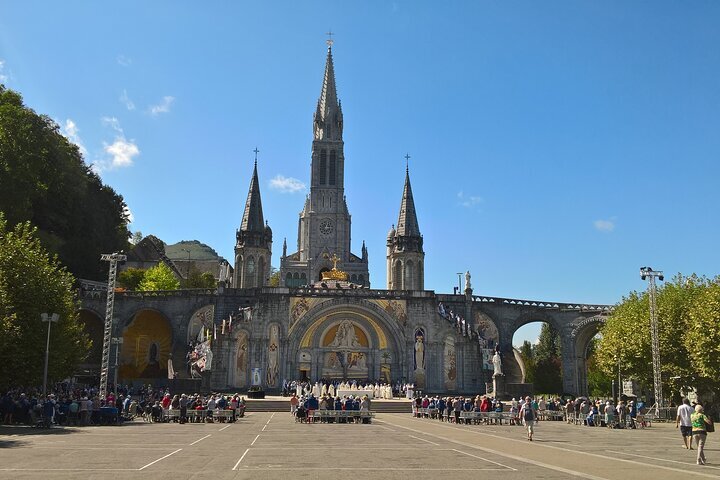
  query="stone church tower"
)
[
  {"x": 325, "y": 224},
  {"x": 405, "y": 255},
  {"x": 253, "y": 247}
]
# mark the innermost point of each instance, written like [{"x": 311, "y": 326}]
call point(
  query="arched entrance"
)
[
  {"x": 93, "y": 326},
  {"x": 146, "y": 347},
  {"x": 581, "y": 337},
  {"x": 342, "y": 342}
]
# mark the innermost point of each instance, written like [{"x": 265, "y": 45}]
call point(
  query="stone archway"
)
[
  {"x": 94, "y": 327},
  {"x": 371, "y": 348},
  {"x": 582, "y": 332},
  {"x": 147, "y": 346}
]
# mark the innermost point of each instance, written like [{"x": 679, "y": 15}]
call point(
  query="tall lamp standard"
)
[
  {"x": 647, "y": 273},
  {"x": 117, "y": 342},
  {"x": 49, "y": 318}
]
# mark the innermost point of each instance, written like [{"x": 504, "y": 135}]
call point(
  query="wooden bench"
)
[{"x": 336, "y": 415}]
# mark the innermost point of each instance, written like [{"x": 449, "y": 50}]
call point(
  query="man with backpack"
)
[{"x": 529, "y": 416}]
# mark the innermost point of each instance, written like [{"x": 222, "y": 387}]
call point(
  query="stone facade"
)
[{"x": 312, "y": 329}]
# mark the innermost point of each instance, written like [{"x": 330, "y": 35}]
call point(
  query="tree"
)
[
  {"x": 599, "y": 382},
  {"x": 526, "y": 352},
  {"x": 44, "y": 180},
  {"x": 274, "y": 277},
  {"x": 702, "y": 339},
  {"x": 626, "y": 335},
  {"x": 31, "y": 283},
  {"x": 130, "y": 278},
  {"x": 548, "y": 364},
  {"x": 159, "y": 277},
  {"x": 198, "y": 279}
]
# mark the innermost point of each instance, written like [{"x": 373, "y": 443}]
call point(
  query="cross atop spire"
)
[
  {"x": 256, "y": 152},
  {"x": 329, "y": 41},
  {"x": 407, "y": 163}
]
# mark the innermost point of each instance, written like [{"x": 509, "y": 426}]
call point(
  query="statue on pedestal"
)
[{"x": 497, "y": 364}]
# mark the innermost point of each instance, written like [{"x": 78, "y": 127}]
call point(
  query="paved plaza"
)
[{"x": 272, "y": 445}]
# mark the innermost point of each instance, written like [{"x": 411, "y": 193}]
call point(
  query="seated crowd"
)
[
  {"x": 328, "y": 409},
  {"x": 72, "y": 405}
]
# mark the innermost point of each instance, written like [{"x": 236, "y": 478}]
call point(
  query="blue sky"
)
[{"x": 556, "y": 146}]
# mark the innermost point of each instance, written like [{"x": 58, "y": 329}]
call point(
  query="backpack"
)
[{"x": 529, "y": 414}]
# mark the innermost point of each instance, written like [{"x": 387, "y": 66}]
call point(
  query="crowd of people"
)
[
  {"x": 71, "y": 405},
  {"x": 304, "y": 407},
  {"x": 377, "y": 389}
]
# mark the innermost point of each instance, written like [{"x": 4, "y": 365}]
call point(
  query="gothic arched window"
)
[
  {"x": 409, "y": 280},
  {"x": 397, "y": 276},
  {"x": 322, "y": 174},
  {"x": 333, "y": 169},
  {"x": 249, "y": 280}
]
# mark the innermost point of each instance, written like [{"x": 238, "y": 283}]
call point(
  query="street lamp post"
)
[
  {"x": 650, "y": 274},
  {"x": 49, "y": 318},
  {"x": 117, "y": 342},
  {"x": 459, "y": 283}
]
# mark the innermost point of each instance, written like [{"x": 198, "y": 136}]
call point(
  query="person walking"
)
[
  {"x": 700, "y": 422},
  {"x": 683, "y": 421},
  {"x": 529, "y": 416}
]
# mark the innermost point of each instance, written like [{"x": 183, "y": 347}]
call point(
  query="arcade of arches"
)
[{"x": 321, "y": 333}]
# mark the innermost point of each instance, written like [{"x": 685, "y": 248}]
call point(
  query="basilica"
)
[{"x": 324, "y": 320}]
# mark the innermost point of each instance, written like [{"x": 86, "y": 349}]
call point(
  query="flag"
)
[
  {"x": 222, "y": 331},
  {"x": 230, "y": 324},
  {"x": 214, "y": 331},
  {"x": 171, "y": 370}
]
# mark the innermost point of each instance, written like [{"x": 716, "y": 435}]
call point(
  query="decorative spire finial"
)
[
  {"x": 329, "y": 41},
  {"x": 256, "y": 152},
  {"x": 407, "y": 163}
]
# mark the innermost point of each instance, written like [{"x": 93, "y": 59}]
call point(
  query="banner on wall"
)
[{"x": 256, "y": 377}]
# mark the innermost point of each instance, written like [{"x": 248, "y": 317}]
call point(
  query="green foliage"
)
[
  {"x": 599, "y": 382},
  {"x": 44, "y": 180},
  {"x": 702, "y": 340},
  {"x": 159, "y": 278},
  {"x": 526, "y": 352},
  {"x": 687, "y": 313},
  {"x": 274, "y": 277},
  {"x": 31, "y": 283},
  {"x": 130, "y": 278},
  {"x": 543, "y": 364},
  {"x": 549, "y": 345},
  {"x": 198, "y": 279}
]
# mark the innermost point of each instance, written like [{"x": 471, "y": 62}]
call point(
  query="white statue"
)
[
  {"x": 467, "y": 280},
  {"x": 419, "y": 353},
  {"x": 497, "y": 364},
  {"x": 345, "y": 335}
]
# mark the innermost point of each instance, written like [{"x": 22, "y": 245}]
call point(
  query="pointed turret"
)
[
  {"x": 253, "y": 247},
  {"x": 405, "y": 255},
  {"x": 407, "y": 220},
  {"x": 253, "y": 220}
]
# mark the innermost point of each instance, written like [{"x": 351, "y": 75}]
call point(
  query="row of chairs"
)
[
  {"x": 336, "y": 416},
  {"x": 200, "y": 416}
]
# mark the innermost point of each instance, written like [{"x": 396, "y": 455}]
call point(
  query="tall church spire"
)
[
  {"x": 253, "y": 220},
  {"x": 253, "y": 246},
  {"x": 328, "y": 115},
  {"x": 407, "y": 220},
  {"x": 405, "y": 255}
]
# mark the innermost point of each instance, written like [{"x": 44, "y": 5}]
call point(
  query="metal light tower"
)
[
  {"x": 650, "y": 274},
  {"x": 50, "y": 319},
  {"x": 113, "y": 258}
]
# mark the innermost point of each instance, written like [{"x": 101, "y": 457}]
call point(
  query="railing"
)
[{"x": 547, "y": 305}]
